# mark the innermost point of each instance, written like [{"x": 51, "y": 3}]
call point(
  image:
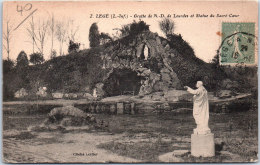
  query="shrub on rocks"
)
[
  {"x": 57, "y": 95},
  {"x": 69, "y": 116},
  {"x": 21, "y": 93},
  {"x": 225, "y": 93}
]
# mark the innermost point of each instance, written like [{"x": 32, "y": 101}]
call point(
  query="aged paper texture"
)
[{"x": 130, "y": 82}]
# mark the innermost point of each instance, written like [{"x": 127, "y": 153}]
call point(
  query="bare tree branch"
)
[
  {"x": 61, "y": 34},
  {"x": 7, "y": 35},
  {"x": 5, "y": 47},
  {"x": 72, "y": 30},
  {"x": 31, "y": 33},
  {"x": 38, "y": 34},
  {"x": 52, "y": 30},
  {"x": 42, "y": 30}
]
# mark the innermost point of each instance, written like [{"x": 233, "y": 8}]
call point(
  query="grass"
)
[
  {"x": 145, "y": 136},
  {"x": 21, "y": 136},
  {"x": 236, "y": 131},
  {"x": 21, "y": 122},
  {"x": 145, "y": 151}
]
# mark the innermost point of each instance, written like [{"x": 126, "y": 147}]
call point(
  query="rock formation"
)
[{"x": 145, "y": 54}]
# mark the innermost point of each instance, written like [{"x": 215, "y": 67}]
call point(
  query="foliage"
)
[
  {"x": 36, "y": 58},
  {"x": 22, "y": 60},
  {"x": 122, "y": 32},
  {"x": 53, "y": 54},
  {"x": 167, "y": 26},
  {"x": 73, "y": 46},
  {"x": 94, "y": 39},
  {"x": 131, "y": 29},
  {"x": 188, "y": 67},
  {"x": 72, "y": 73},
  {"x": 105, "y": 38},
  {"x": 138, "y": 27},
  {"x": 182, "y": 46},
  {"x": 125, "y": 30},
  {"x": 8, "y": 65},
  {"x": 13, "y": 81},
  {"x": 245, "y": 76}
]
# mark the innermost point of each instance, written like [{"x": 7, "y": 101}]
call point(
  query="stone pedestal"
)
[{"x": 202, "y": 145}]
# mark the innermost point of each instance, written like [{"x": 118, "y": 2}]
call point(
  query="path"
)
[{"x": 67, "y": 148}]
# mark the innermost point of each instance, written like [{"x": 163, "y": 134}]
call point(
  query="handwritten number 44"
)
[{"x": 26, "y": 7}]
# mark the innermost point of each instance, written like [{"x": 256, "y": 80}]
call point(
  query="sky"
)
[{"x": 202, "y": 33}]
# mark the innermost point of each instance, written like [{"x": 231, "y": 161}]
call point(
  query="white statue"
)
[
  {"x": 95, "y": 92},
  {"x": 146, "y": 52},
  {"x": 200, "y": 108}
]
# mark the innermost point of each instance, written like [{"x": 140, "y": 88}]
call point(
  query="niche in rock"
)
[
  {"x": 122, "y": 82},
  {"x": 145, "y": 52}
]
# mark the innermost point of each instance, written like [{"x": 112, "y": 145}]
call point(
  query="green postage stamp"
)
[{"x": 238, "y": 43}]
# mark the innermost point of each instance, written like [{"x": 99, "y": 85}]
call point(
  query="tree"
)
[
  {"x": 94, "y": 39},
  {"x": 22, "y": 60},
  {"x": 42, "y": 30},
  {"x": 36, "y": 58},
  {"x": 7, "y": 35},
  {"x": 167, "y": 26},
  {"x": 61, "y": 34},
  {"x": 52, "y": 31},
  {"x": 73, "y": 46},
  {"x": 38, "y": 34},
  {"x": 31, "y": 33},
  {"x": 72, "y": 30}
]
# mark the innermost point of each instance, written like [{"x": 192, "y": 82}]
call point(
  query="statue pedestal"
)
[{"x": 202, "y": 145}]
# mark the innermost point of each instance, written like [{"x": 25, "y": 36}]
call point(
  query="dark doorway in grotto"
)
[{"x": 122, "y": 82}]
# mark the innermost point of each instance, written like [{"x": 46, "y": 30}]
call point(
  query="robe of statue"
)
[
  {"x": 146, "y": 52},
  {"x": 200, "y": 109},
  {"x": 95, "y": 92}
]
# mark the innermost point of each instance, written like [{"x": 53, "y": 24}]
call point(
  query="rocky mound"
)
[
  {"x": 61, "y": 118},
  {"x": 152, "y": 64},
  {"x": 69, "y": 116},
  {"x": 147, "y": 56}
]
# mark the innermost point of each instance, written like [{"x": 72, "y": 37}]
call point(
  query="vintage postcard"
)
[{"x": 130, "y": 82}]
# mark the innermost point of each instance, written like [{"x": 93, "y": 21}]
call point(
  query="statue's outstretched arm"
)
[{"x": 192, "y": 91}]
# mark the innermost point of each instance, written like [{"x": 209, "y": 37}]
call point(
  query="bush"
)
[
  {"x": 183, "y": 47},
  {"x": 167, "y": 26},
  {"x": 105, "y": 38},
  {"x": 73, "y": 46},
  {"x": 138, "y": 27},
  {"x": 36, "y": 58},
  {"x": 8, "y": 65},
  {"x": 53, "y": 54}
]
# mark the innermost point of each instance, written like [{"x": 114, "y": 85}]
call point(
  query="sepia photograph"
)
[{"x": 129, "y": 82}]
